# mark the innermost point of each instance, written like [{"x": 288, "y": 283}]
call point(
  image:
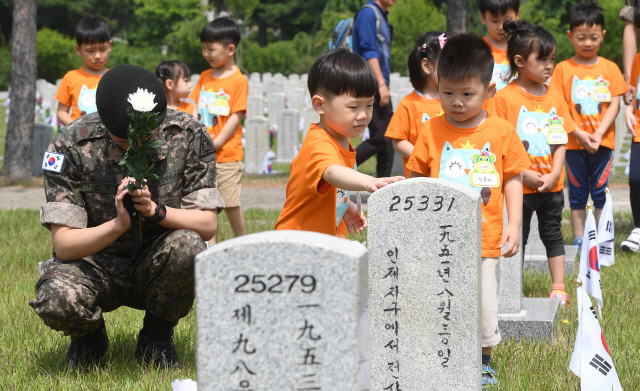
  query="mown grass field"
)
[{"x": 31, "y": 355}]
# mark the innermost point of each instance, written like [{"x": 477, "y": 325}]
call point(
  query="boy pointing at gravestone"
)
[
  {"x": 95, "y": 269},
  {"x": 342, "y": 88},
  {"x": 473, "y": 148}
]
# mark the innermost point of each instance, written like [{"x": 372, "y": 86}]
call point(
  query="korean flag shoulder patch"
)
[{"x": 52, "y": 161}]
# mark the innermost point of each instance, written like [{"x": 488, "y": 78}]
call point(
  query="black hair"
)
[
  {"x": 428, "y": 46},
  {"x": 636, "y": 17},
  {"x": 222, "y": 30},
  {"x": 92, "y": 29},
  {"x": 498, "y": 7},
  {"x": 464, "y": 57},
  {"x": 172, "y": 70},
  {"x": 585, "y": 13},
  {"x": 341, "y": 72},
  {"x": 524, "y": 38}
]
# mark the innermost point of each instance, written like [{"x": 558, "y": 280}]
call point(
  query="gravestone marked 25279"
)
[
  {"x": 425, "y": 258},
  {"x": 280, "y": 310}
]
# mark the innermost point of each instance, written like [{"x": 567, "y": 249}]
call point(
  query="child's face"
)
[
  {"x": 536, "y": 69},
  {"x": 94, "y": 55},
  {"x": 586, "y": 40},
  {"x": 494, "y": 22},
  {"x": 345, "y": 115},
  {"x": 182, "y": 87},
  {"x": 463, "y": 100},
  {"x": 216, "y": 53}
]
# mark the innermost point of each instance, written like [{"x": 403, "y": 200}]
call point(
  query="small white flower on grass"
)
[
  {"x": 184, "y": 385},
  {"x": 142, "y": 100}
]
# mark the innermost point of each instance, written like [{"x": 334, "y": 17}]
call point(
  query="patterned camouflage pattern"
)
[{"x": 72, "y": 296}]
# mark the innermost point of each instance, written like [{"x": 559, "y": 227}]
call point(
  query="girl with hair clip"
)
[
  {"x": 423, "y": 103},
  {"x": 174, "y": 76},
  {"x": 542, "y": 120}
]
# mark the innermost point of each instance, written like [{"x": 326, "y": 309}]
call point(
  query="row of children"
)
[
  {"x": 221, "y": 96},
  {"x": 455, "y": 122}
]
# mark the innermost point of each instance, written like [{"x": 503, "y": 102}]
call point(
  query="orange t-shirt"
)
[
  {"x": 533, "y": 118},
  {"x": 480, "y": 158},
  {"x": 216, "y": 100},
  {"x": 581, "y": 85},
  {"x": 312, "y": 203},
  {"x": 185, "y": 107},
  {"x": 500, "y": 66},
  {"x": 635, "y": 73},
  {"x": 407, "y": 120},
  {"x": 78, "y": 91}
]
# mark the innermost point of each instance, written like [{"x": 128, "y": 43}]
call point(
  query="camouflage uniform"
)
[{"x": 71, "y": 296}]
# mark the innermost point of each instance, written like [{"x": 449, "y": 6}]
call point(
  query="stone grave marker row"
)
[
  {"x": 257, "y": 143},
  {"x": 288, "y": 135}
]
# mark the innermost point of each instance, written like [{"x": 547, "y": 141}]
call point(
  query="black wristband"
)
[{"x": 161, "y": 213}]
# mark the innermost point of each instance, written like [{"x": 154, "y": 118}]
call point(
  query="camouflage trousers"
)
[{"x": 71, "y": 296}]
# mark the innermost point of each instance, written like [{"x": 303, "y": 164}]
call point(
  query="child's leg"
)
[
  {"x": 600, "y": 164},
  {"x": 229, "y": 185},
  {"x": 550, "y": 227},
  {"x": 490, "y": 283},
  {"x": 578, "y": 174},
  {"x": 634, "y": 183},
  {"x": 529, "y": 202},
  {"x": 236, "y": 219}
]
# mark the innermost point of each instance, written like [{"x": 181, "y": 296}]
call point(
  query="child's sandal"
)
[{"x": 562, "y": 295}]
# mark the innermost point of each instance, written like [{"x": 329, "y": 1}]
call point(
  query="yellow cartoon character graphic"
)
[
  {"x": 601, "y": 92},
  {"x": 556, "y": 134},
  {"x": 484, "y": 172},
  {"x": 220, "y": 104}
]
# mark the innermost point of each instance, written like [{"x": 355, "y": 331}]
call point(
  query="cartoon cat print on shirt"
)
[
  {"x": 582, "y": 96},
  {"x": 87, "y": 100},
  {"x": 207, "y": 98},
  {"x": 533, "y": 128},
  {"x": 342, "y": 202},
  {"x": 500, "y": 72},
  {"x": 457, "y": 164}
]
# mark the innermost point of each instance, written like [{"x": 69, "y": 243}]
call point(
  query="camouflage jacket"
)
[{"x": 83, "y": 193}]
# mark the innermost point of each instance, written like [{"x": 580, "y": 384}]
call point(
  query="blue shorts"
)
[{"x": 588, "y": 173}]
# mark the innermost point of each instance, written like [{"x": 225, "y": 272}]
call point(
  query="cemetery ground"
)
[{"x": 32, "y": 355}]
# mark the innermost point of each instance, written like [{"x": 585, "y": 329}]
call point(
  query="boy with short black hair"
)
[
  {"x": 592, "y": 86},
  {"x": 342, "y": 89},
  {"x": 221, "y": 101},
  {"x": 476, "y": 149},
  {"x": 493, "y": 14},
  {"x": 78, "y": 88}
]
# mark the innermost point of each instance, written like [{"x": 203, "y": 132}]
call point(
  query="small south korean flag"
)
[{"x": 52, "y": 161}]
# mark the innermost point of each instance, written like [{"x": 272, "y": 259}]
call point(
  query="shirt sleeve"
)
[
  {"x": 498, "y": 106},
  {"x": 556, "y": 83},
  {"x": 239, "y": 100},
  {"x": 399, "y": 127},
  {"x": 617, "y": 85},
  {"x": 514, "y": 159},
  {"x": 321, "y": 156},
  {"x": 63, "y": 95},
  {"x": 365, "y": 26},
  {"x": 195, "y": 93},
  {"x": 418, "y": 161},
  {"x": 563, "y": 111}
]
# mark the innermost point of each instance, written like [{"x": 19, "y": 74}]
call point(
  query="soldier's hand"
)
[
  {"x": 143, "y": 203},
  {"x": 122, "y": 221}
]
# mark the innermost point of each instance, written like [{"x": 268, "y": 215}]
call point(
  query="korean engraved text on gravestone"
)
[
  {"x": 279, "y": 310},
  {"x": 288, "y": 135},
  {"x": 255, "y": 106},
  {"x": 425, "y": 259}
]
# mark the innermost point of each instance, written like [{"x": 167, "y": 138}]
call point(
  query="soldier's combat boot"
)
[
  {"x": 86, "y": 352},
  {"x": 155, "y": 343}
]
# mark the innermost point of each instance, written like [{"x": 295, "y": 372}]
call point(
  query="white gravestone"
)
[
  {"x": 510, "y": 286},
  {"x": 275, "y": 104},
  {"x": 278, "y": 76},
  {"x": 255, "y": 88},
  {"x": 294, "y": 76},
  {"x": 42, "y": 136},
  {"x": 288, "y": 135},
  {"x": 280, "y": 310},
  {"x": 194, "y": 79},
  {"x": 257, "y": 143},
  {"x": 255, "y": 106},
  {"x": 273, "y": 86},
  {"x": 295, "y": 98},
  {"x": 425, "y": 258},
  {"x": 254, "y": 76},
  {"x": 309, "y": 116}
]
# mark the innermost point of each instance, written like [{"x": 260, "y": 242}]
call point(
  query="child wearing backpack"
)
[{"x": 423, "y": 103}]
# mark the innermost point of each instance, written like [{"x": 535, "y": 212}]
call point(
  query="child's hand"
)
[
  {"x": 630, "y": 120},
  {"x": 355, "y": 223},
  {"x": 548, "y": 181},
  {"x": 511, "y": 234},
  {"x": 595, "y": 139},
  {"x": 533, "y": 179},
  {"x": 377, "y": 183},
  {"x": 584, "y": 140}
]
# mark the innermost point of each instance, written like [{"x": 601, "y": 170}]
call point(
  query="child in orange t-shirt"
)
[
  {"x": 78, "y": 88},
  {"x": 493, "y": 14},
  {"x": 342, "y": 88},
  {"x": 592, "y": 86},
  {"x": 423, "y": 103},
  {"x": 174, "y": 76},
  {"x": 632, "y": 116},
  {"x": 476, "y": 149},
  {"x": 542, "y": 120},
  {"x": 221, "y": 100}
]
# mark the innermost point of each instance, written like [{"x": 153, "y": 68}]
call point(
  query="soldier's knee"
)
[{"x": 183, "y": 246}]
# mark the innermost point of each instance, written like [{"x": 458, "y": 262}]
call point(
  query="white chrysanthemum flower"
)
[
  {"x": 142, "y": 100},
  {"x": 184, "y": 385}
]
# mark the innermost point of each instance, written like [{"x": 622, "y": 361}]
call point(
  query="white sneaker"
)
[{"x": 633, "y": 241}]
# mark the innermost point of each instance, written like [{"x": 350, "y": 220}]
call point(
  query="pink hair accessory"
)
[
  {"x": 443, "y": 40},
  {"x": 424, "y": 47}
]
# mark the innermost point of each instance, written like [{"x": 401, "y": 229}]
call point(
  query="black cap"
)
[{"x": 114, "y": 89}]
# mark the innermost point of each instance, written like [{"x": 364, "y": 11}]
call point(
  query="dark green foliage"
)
[{"x": 56, "y": 55}]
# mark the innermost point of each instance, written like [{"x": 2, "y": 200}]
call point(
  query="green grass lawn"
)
[{"x": 31, "y": 355}]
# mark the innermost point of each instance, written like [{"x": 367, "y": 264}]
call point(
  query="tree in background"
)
[
  {"x": 456, "y": 16},
  {"x": 19, "y": 141}
]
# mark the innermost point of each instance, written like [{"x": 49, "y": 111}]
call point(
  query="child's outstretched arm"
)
[
  {"x": 630, "y": 119},
  {"x": 404, "y": 147},
  {"x": 228, "y": 129},
  {"x": 607, "y": 120},
  {"x": 511, "y": 234},
  {"x": 63, "y": 114},
  {"x": 549, "y": 180},
  {"x": 349, "y": 179}
]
